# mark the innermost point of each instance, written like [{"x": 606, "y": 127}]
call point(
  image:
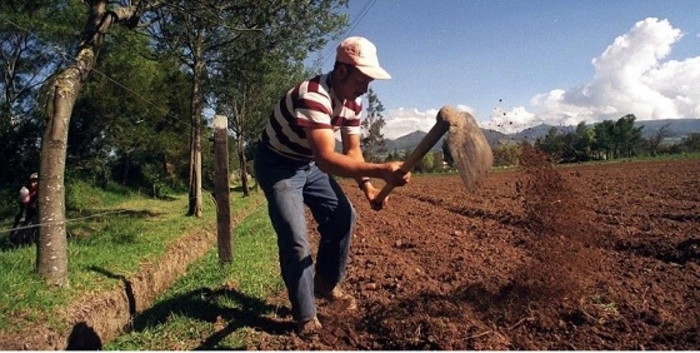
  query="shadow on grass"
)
[{"x": 204, "y": 304}]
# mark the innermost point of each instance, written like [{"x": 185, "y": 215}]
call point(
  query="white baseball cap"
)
[{"x": 361, "y": 53}]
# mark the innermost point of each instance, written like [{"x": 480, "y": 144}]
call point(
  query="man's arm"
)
[
  {"x": 351, "y": 148},
  {"x": 322, "y": 143}
]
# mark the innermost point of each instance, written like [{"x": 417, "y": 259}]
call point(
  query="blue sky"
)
[{"x": 516, "y": 64}]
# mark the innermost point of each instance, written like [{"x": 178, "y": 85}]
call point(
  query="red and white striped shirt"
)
[{"x": 310, "y": 103}]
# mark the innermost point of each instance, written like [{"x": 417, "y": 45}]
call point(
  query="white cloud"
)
[
  {"x": 400, "y": 122},
  {"x": 630, "y": 78},
  {"x": 512, "y": 121}
]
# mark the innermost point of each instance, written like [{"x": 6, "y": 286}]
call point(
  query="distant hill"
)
[
  {"x": 533, "y": 133},
  {"x": 678, "y": 127},
  {"x": 409, "y": 141}
]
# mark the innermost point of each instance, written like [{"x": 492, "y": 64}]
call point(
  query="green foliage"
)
[
  {"x": 427, "y": 164},
  {"x": 372, "y": 139},
  {"x": 136, "y": 135},
  {"x": 506, "y": 155},
  {"x": 33, "y": 34},
  {"x": 606, "y": 140},
  {"x": 690, "y": 144},
  {"x": 628, "y": 137},
  {"x": 552, "y": 144},
  {"x": 30, "y": 33},
  {"x": 394, "y": 155}
]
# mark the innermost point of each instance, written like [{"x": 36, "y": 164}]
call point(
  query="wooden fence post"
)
[{"x": 222, "y": 190}]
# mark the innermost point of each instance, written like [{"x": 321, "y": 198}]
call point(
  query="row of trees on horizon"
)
[{"x": 606, "y": 140}]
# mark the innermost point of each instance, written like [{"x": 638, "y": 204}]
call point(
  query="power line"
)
[{"x": 358, "y": 18}]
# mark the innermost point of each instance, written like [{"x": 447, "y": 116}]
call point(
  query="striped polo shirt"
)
[{"x": 311, "y": 103}]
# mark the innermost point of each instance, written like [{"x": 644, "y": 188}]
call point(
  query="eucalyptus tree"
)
[
  {"x": 219, "y": 37},
  {"x": 247, "y": 96},
  {"x": 142, "y": 109},
  {"x": 654, "y": 141},
  {"x": 32, "y": 35},
  {"x": 194, "y": 32},
  {"x": 62, "y": 92},
  {"x": 372, "y": 139},
  {"x": 627, "y": 137}
]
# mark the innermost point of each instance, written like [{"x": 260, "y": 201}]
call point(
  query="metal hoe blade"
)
[{"x": 470, "y": 151}]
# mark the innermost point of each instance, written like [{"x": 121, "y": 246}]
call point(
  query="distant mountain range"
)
[{"x": 679, "y": 128}]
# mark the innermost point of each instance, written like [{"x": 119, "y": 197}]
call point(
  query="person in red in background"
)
[{"x": 28, "y": 208}]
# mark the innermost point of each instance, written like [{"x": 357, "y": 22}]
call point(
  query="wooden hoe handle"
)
[{"x": 433, "y": 136}]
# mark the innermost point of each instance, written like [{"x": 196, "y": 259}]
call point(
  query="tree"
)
[
  {"x": 247, "y": 99},
  {"x": 655, "y": 140},
  {"x": 506, "y": 155},
  {"x": 604, "y": 140},
  {"x": 192, "y": 32},
  {"x": 626, "y": 137},
  {"x": 140, "y": 143},
  {"x": 63, "y": 90},
  {"x": 585, "y": 139},
  {"x": 691, "y": 143},
  {"x": 372, "y": 139},
  {"x": 212, "y": 37},
  {"x": 391, "y": 156},
  {"x": 31, "y": 32},
  {"x": 553, "y": 143},
  {"x": 426, "y": 164}
]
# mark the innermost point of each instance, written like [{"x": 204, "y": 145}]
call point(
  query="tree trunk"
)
[
  {"x": 195, "y": 206},
  {"x": 52, "y": 252},
  {"x": 243, "y": 166}
]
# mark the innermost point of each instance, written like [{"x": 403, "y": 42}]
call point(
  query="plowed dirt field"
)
[{"x": 585, "y": 257}]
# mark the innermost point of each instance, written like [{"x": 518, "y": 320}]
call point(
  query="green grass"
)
[
  {"x": 213, "y": 307},
  {"x": 139, "y": 229}
]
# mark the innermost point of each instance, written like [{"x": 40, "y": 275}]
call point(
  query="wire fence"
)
[{"x": 70, "y": 220}]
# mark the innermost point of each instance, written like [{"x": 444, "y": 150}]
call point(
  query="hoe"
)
[{"x": 468, "y": 146}]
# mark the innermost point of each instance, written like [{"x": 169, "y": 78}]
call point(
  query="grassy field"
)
[
  {"x": 112, "y": 230},
  {"x": 213, "y": 307}
]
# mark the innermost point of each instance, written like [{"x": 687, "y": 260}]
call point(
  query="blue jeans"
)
[{"x": 288, "y": 186}]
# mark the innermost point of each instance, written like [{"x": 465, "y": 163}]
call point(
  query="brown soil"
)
[
  {"x": 602, "y": 257},
  {"x": 586, "y": 257}
]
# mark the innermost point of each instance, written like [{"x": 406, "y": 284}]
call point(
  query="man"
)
[
  {"x": 28, "y": 208},
  {"x": 294, "y": 158}
]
